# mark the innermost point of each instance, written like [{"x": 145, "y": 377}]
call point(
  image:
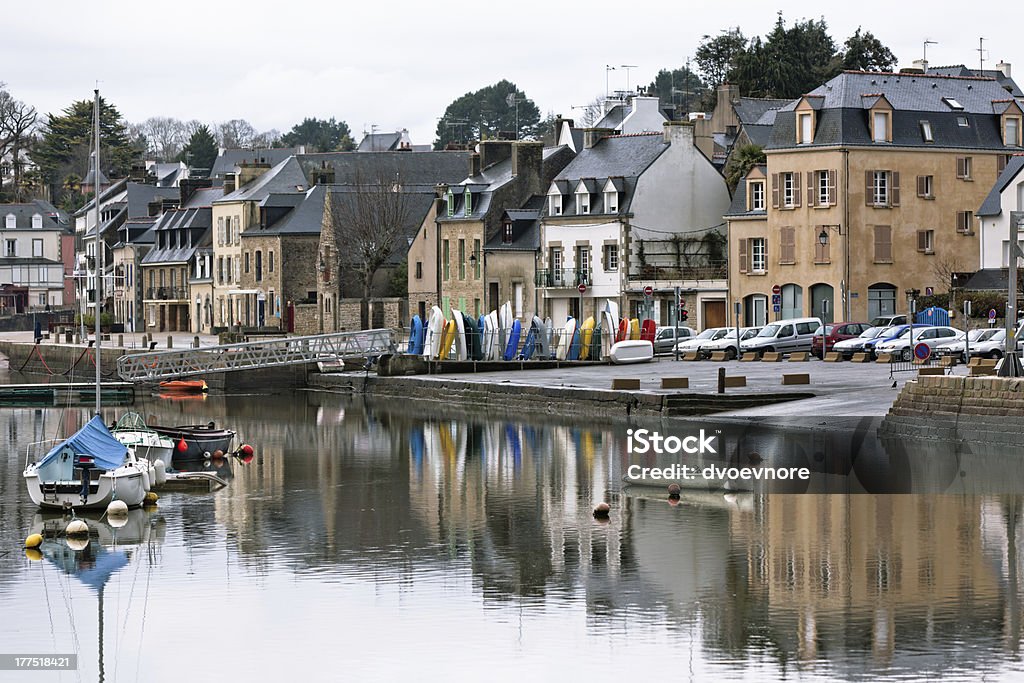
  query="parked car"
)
[
  {"x": 848, "y": 347},
  {"x": 985, "y": 342},
  {"x": 785, "y": 336},
  {"x": 666, "y": 338},
  {"x": 696, "y": 343},
  {"x": 888, "y": 334},
  {"x": 727, "y": 343},
  {"x": 933, "y": 336},
  {"x": 889, "y": 320},
  {"x": 833, "y": 334}
]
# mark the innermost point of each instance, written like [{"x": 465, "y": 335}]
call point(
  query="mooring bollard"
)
[
  {"x": 195, "y": 342},
  {"x": 170, "y": 342},
  {"x": 721, "y": 380}
]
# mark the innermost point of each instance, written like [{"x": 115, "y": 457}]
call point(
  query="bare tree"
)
[
  {"x": 943, "y": 269},
  {"x": 165, "y": 136},
  {"x": 368, "y": 219},
  {"x": 235, "y": 134},
  {"x": 266, "y": 139},
  {"x": 592, "y": 112},
  {"x": 17, "y": 128}
]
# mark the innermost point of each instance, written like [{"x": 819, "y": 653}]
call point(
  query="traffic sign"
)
[
  {"x": 648, "y": 291},
  {"x": 776, "y": 299},
  {"x": 582, "y": 288},
  {"x": 777, "y": 308},
  {"x": 922, "y": 351},
  {"x": 991, "y": 314},
  {"x": 776, "y": 289}
]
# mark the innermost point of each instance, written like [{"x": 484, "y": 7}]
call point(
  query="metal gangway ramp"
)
[{"x": 161, "y": 365}]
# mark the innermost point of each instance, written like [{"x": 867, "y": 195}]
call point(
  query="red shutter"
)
[
  {"x": 832, "y": 187},
  {"x": 796, "y": 188},
  {"x": 743, "y": 255},
  {"x": 894, "y": 192},
  {"x": 869, "y": 199},
  {"x": 775, "y": 190},
  {"x": 810, "y": 188}
]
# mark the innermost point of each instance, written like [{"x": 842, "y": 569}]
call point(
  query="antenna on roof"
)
[
  {"x": 607, "y": 68},
  {"x": 627, "y": 67},
  {"x": 924, "y": 53},
  {"x": 981, "y": 56}
]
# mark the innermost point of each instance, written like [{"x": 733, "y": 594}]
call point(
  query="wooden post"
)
[{"x": 721, "y": 380}]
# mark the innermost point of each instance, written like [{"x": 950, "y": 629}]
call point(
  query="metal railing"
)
[
  {"x": 710, "y": 271},
  {"x": 167, "y": 293},
  {"x": 563, "y": 277},
  {"x": 160, "y": 365}
]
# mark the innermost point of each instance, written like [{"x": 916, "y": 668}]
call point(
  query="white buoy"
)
[
  {"x": 145, "y": 477},
  {"x": 117, "y": 508},
  {"x": 77, "y": 533},
  {"x": 160, "y": 468}
]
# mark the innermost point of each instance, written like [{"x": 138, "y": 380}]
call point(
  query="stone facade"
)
[
  {"x": 281, "y": 270},
  {"x": 511, "y": 275},
  {"x": 423, "y": 265}
]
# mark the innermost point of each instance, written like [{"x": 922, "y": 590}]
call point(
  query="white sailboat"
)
[{"x": 91, "y": 468}]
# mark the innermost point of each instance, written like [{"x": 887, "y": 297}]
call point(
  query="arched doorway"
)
[
  {"x": 755, "y": 310},
  {"x": 881, "y": 300},
  {"x": 820, "y": 294},
  {"x": 792, "y": 301}
]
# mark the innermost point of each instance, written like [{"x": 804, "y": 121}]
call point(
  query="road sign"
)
[
  {"x": 777, "y": 308},
  {"x": 922, "y": 351},
  {"x": 928, "y": 291},
  {"x": 582, "y": 288},
  {"x": 991, "y": 314},
  {"x": 776, "y": 289},
  {"x": 776, "y": 299},
  {"x": 648, "y": 291}
]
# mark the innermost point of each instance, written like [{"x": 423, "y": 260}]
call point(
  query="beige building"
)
[{"x": 868, "y": 195}]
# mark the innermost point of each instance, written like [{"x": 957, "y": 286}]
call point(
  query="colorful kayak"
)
[
  {"x": 184, "y": 386},
  {"x": 648, "y": 330},
  {"x": 586, "y": 335},
  {"x": 634, "y": 329},
  {"x": 513, "y": 341},
  {"x": 530, "y": 343},
  {"x": 415, "y": 335}
]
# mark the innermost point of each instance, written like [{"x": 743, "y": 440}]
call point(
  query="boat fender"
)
[
  {"x": 34, "y": 541},
  {"x": 182, "y": 446},
  {"x": 145, "y": 478},
  {"x": 150, "y": 499},
  {"x": 76, "y": 528},
  {"x": 160, "y": 470},
  {"x": 601, "y": 511}
]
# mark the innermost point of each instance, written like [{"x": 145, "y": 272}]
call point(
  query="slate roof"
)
[
  {"x": 751, "y": 110},
  {"x": 1008, "y": 84},
  {"x": 418, "y": 203},
  {"x": 23, "y": 213},
  {"x": 738, "y": 206},
  {"x": 140, "y": 195},
  {"x": 615, "y": 156},
  {"x": 615, "y": 116},
  {"x": 205, "y": 196},
  {"x": 379, "y": 142},
  {"x": 988, "y": 279},
  {"x": 992, "y": 206},
  {"x": 413, "y": 168},
  {"x": 197, "y": 221},
  {"x": 284, "y": 177},
  {"x": 228, "y": 159},
  {"x": 305, "y": 218},
  {"x": 112, "y": 191},
  {"x": 842, "y": 118},
  {"x": 525, "y": 228}
]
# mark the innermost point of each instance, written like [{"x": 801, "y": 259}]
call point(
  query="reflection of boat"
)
[
  {"x": 131, "y": 430},
  {"x": 182, "y": 397},
  {"x": 184, "y": 386},
  {"x": 730, "y": 500},
  {"x": 88, "y": 470},
  {"x": 199, "y": 440}
]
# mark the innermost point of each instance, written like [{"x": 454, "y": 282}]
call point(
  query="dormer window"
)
[
  {"x": 467, "y": 203},
  {"x": 755, "y": 195},
  {"x": 926, "y": 131},
  {"x": 10, "y": 222},
  {"x": 805, "y": 128},
  {"x": 37, "y": 220},
  {"x": 507, "y": 234},
  {"x": 582, "y": 202},
  {"x": 880, "y": 127},
  {"x": 611, "y": 202},
  {"x": 450, "y": 201},
  {"x": 1011, "y": 131},
  {"x": 962, "y": 121}
]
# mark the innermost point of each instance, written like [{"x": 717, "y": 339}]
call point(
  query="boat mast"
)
[{"x": 99, "y": 243}]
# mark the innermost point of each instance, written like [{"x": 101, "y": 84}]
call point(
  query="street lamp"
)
[{"x": 844, "y": 285}]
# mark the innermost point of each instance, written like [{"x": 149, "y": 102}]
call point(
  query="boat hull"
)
[
  {"x": 632, "y": 351},
  {"x": 200, "y": 442},
  {"x": 125, "y": 484}
]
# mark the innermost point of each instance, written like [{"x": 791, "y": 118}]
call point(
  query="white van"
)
[{"x": 785, "y": 336}]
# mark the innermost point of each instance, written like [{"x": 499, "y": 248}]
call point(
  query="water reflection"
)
[{"x": 477, "y": 536}]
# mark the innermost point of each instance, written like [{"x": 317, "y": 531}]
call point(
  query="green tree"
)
[
  {"x": 788, "y": 62},
  {"x": 681, "y": 89},
  {"x": 490, "y": 112},
  {"x": 320, "y": 135},
  {"x": 865, "y": 52},
  {"x": 200, "y": 152},
  {"x": 740, "y": 162},
  {"x": 66, "y": 144},
  {"x": 716, "y": 56}
]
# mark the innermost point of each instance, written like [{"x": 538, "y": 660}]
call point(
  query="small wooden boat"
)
[
  {"x": 632, "y": 351},
  {"x": 184, "y": 386},
  {"x": 198, "y": 440}
]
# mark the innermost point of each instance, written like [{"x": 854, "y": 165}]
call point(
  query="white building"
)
[{"x": 994, "y": 225}]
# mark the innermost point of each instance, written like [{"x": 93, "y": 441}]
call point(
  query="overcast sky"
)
[{"x": 399, "y": 64}]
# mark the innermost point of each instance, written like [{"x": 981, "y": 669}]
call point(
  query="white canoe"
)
[
  {"x": 632, "y": 351},
  {"x": 565, "y": 339},
  {"x": 432, "y": 340},
  {"x": 495, "y": 345},
  {"x": 460, "y": 336},
  {"x": 609, "y": 326}
]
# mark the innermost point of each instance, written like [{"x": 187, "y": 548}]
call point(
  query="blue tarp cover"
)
[{"x": 93, "y": 439}]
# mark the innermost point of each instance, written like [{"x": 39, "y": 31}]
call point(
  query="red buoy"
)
[
  {"x": 246, "y": 449},
  {"x": 182, "y": 446}
]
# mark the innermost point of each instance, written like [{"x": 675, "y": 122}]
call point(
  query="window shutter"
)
[
  {"x": 796, "y": 188},
  {"x": 883, "y": 243},
  {"x": 960, "y": 221},
  {"x": 961, "y": 167},
  {"x": 787, "y": 251},
  {"x": 869, "y": 199},
  {"x": 1000, "y": 163},
  {"x": 922, "y": 240},
  {"x": 894, "y": 191},
  {"x": 810, "y": 188},
  {"x": 920, "y": 186},
  {"x": 743, "y": 256},
  {"x": 775, "y": 190},
  {"x": 832, "y": 187}
]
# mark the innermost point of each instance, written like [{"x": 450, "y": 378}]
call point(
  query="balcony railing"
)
[
  {"x": 709, "y": 271},
  {"x": 167, "y": 294},
  {"x": 563, "y": 277}
]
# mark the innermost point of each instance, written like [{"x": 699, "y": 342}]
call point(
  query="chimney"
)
[
  {"x": 230, "y": 182},
  {"x": 591, "y": 136},
  {"x": 726, "y": 95},
  {"x": 248, "y": 172},
  {"x": 155, "y": 207},
  {"x": 188, "y": 187},
  {"x": 921, "y": 64},
  {"x": 1005, "y": 68},
  {"x": 526, "y": 158},
  {"x": 678, "y": 132},
  {"x": 493, "y": 151},
  {"x": 474, "y": 164}
]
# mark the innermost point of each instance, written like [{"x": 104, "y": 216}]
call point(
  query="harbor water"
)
[{"x": 380, "y": 542}]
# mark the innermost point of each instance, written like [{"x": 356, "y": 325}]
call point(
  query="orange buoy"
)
[{"x": 182, "y": 446}]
